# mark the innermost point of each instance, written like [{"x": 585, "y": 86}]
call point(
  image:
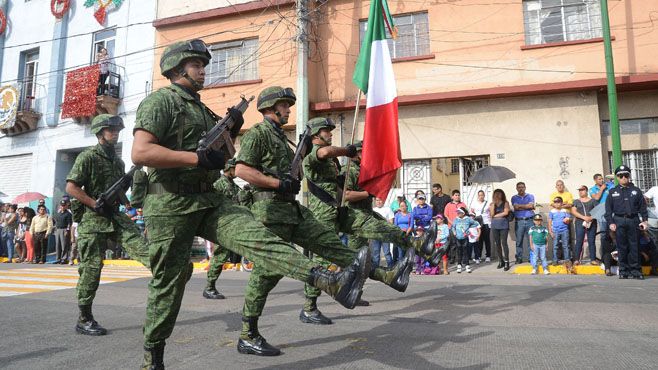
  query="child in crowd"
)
[
  {"x": 538, "y": 237},
  {"x": 460, "y": 227},
  {"x": 473, "y": 237},
  {"x": 418, "y": 239},
  {"x": 442, "y": 237}
]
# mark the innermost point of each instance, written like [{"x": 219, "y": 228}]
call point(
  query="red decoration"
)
[
  {"x": 100, "y": 14},
  {"x": 59, "y": 7},
  {"x": 80, "y": 93},
  {"x": 3, "y": 22}
]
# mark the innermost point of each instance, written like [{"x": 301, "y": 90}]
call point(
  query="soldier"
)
[
  {"x": 622, "y": 208},
  {"x": 180, "y": 204},
  {"x": 93, "y": 172},
  {"x": 226, "y": 186},
  {"x": 321, "y": 169}
]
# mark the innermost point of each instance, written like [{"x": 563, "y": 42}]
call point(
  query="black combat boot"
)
[
  {"x": 436, "y": 256},
  {"x": 311, "y": 315},
  {"x": 251, "y": 342},
  {"x": 428, "y": 244},
  {"x": 153, "y": 358},
  {"x": 211, "y": 292},
  {"x": 345, "y": 286},
  {"x": 397, "y": 277},
  {"x": 86, "y": 324}
]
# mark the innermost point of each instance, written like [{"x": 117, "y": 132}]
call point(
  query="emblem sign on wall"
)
[
  {"x": 59, "y": 7},
  {"x": 102, "y": 7},
  {"x": 8, "y": 106}
]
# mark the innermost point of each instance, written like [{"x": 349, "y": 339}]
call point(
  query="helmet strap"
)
[{"x": 197, "y": 86}]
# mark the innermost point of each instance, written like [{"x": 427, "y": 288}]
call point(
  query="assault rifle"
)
[
  {"x": 117, "y": 192},
  {"x": 219, "y": 137}
]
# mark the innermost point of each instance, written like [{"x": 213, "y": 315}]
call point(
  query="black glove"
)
[
  {"x": 289, "y": 186},
  {"x": 102, "y": 208},
  {"x": 211, "y": 159},
  {"x": 238, "y": 121},
  {"x": 351, "y": 150}
]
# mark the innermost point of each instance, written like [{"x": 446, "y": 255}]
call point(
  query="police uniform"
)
[
  {"x": 623, "y": 208},
  {"x": 181, "y": 204},
  {"x": 95, "y": 170}
]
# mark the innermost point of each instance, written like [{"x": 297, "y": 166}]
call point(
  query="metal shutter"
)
[{"x": 16, "y": 174}]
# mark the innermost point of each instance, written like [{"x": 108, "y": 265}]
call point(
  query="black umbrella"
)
[{"x": 492, "y": 174}]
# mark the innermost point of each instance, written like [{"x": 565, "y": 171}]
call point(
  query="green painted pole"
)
[{"x": 612, "y": 88}]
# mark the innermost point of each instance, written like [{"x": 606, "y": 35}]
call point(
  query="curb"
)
[{"x": 561, "y": 270}]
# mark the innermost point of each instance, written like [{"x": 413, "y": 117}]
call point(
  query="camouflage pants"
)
[
  {"x": 170, "y": 244},
  {"x": 91, "y": 247},
  {"x": 220, "y": 256},
  {"x": 307, "y": 233},
  {"x": 360, "y": 226}
]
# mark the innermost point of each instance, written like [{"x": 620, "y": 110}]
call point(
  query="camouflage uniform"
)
[
  {"x": 95, "y": 170},
  {"x": 265, "y": 146}
]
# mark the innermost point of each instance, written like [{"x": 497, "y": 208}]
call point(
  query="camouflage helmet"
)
[
  {"x": 318, "y": 123},
  {"x": 177, "y": 52},
  {"x": 105, "y": 120},
  {"x": 229, "y": 164},
  {"x": 274, "y": 94}
]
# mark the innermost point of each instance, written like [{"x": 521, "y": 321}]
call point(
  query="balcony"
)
[
  {"x": 27, "y": 115},
  {"x": 88, "y": 94},
  {"x": 108, "y": 94}
]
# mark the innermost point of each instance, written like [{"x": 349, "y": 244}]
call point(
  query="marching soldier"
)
[
  {"x": 265, "y": 162},
  {"x": 623, "y": 209},
  {"x": 321, "y": 170},
  {"x": 181, "y": 204},
  {"x": 93, "y": 172}
]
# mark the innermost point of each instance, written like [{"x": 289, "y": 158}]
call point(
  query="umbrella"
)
[
  {"x": 492, "y": 174},
  {"x": 598, "y": 212},
  {"x": 28, "y": 197},
  {"x": 2, "y": 195}
]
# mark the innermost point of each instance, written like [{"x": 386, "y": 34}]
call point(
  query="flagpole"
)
[{"x": 349, "y": 160}]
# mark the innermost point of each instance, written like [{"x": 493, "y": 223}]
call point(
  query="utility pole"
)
[
  {"x": 301, "y": 116},
  {"x": 612, "y": 88}
]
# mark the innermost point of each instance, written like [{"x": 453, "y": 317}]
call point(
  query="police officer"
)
[
  {"x": 623, "y": 209},
  {"x": 264, "y": 160},
  {"x": 181, "y": 204},
  {"x": 93, "y": 172}
]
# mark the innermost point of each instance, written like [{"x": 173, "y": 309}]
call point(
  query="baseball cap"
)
[
  {"x": 582, "y": 187},
  {"x": 462, "y": 210},
  {"x": 62, "y": 201},
  {"x": 537, "y": 217},
  {"x": 421, "y": 196},
  {"x": 622, "y": 170},
  {"x": 42, "y": 201},
  {"x": 439, "y": 216},
  {"x": 558, "y": 199}
]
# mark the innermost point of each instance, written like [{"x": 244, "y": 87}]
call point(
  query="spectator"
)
[
  {"x": 585, "y": 225},
  {"x": 599, "y": 191},
  {"x": 422, "y": 213},
  {"x": 418, "y": 239},
  {"x": 442, "y": 239},
  {"x": 538, "y": 235},
  {"x": 648, "y": 252},
  {"x": 560, "y": 191},
  {"x": 103, "y": 60},
  {"x": 404, "y": 221},
  {"x": 524, "y": 206},
  {"x": 10, "y": 225},
  {"x": 41, "y": 227},
  {"x": 378, "y": 246},
  {"x": 438, "y": 200},
  {"x": 129, "y": 210},
  {"x": 29, "y": 214},
  {"x": 460, "y": 228},
  {"x": 500, "y": 209},
  {"x": 608, "y": 252},
  {"x": 138, "y": 218},
  {"x": 480, "y": 208},
  {"x": 62, "y": 221},
  {"x": 450, "y": 210},
  {"x": 400, "y": 198},
  {"x": 42, "y": 202},
  {"x": 21, "y": 248},
  {"x": 3, "y": 244},
  {"x": 474, "y": 234},
  {"x": 558, "y": 224}
]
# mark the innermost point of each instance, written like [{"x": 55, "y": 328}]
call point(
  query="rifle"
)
[
  {"x": 219, "y": 137},
  {"x": 117, "y": 192}
]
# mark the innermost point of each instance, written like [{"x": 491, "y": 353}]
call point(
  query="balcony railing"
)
[{"x": 112, "y": 84}]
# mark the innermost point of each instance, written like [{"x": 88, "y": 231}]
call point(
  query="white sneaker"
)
[
  {"x": 459, "y": 269},
  {"x": 468, "y": 269},
  {"x": 487, "y": 260},
  {"x": 477, "y": 261},
  {"x": 546, "y": 272},
  {"x": 534, "y": 272}
]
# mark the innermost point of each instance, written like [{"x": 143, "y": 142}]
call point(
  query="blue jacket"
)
[
  {"x": 422, "y": 215},
  {"x": 460, "y": 227}
]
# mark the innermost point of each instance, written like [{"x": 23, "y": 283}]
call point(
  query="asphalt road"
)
[{"x": 487, "y": 319}]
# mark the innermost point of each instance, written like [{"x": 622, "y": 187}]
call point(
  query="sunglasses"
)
[{"x": 622, "y": 175}]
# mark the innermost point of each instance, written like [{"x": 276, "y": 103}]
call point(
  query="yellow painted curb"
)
[
  {"x": 580, "y": 270},
  {"x": 129, "y": 263}
]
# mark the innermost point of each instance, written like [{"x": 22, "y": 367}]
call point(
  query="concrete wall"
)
[
  {"x": 171, "y": 8},
  {"x": 133, "y": 53}
]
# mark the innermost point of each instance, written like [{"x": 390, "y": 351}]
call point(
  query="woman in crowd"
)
[
  {"x": 500, "y": 209},
  {"x": 480, "y": 209},
  {"x": 21, "y": 249},
  {"x": 404, "y": 220},
  {"x": 585, "y": 225},
  {"x": 103, "y": 60},
  {"x": 10, "y": 226},
  {"x": 28, "y": 213}
]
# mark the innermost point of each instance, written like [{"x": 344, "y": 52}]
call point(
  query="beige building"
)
[{"x": 519, "y": 84}]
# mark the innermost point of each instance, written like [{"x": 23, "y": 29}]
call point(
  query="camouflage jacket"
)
[
  {"x": 177, "y": 118},
  {"x": 352, "y": 180},
  {"x": 324, "y": 173},
  {"x": 265, "y": 146},
  {"x": 95, "y": 170},
  {"x": 227, "y": 187}
]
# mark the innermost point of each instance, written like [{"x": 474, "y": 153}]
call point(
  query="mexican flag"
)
[{"x": 374, "y": 76}]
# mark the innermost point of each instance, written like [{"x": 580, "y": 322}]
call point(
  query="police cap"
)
[{"x": 622, "y": 170}]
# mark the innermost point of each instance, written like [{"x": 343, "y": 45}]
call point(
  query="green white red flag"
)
[{"x": 381, "y": 156}]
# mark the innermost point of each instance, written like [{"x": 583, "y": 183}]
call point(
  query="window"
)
[
  {"x": 454, "y": 165},
  {"x": 644, "y": 167},
  {"x": 103, "y": 39},
  {"x": 29, "y": 72},
  {"x": 548, "y": 21},
  {"x": 639, "y": 126},
  {"x": 233, "y": 61},
  {"x": 413, "y": 35}
]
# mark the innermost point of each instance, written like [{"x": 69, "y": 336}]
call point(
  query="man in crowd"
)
[
  {"x": 41, "y": 227},
  {"x": 560, "y": 191},
  {"x": 438, "y": 200},
  {"x": 524, "y": 207},
  {"x": 63, "y": 221},
  {"x": 600, "y": 190},
  {"x": 623, "y": 209},
  {"x": 181, "y": 204}
]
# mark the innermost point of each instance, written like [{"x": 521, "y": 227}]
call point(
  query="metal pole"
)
[
  {"x": 301, "y": 113},
  {"x": 612, "y": 88}
]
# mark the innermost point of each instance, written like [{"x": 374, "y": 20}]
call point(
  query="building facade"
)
[{"x": 38, "y": 51}]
